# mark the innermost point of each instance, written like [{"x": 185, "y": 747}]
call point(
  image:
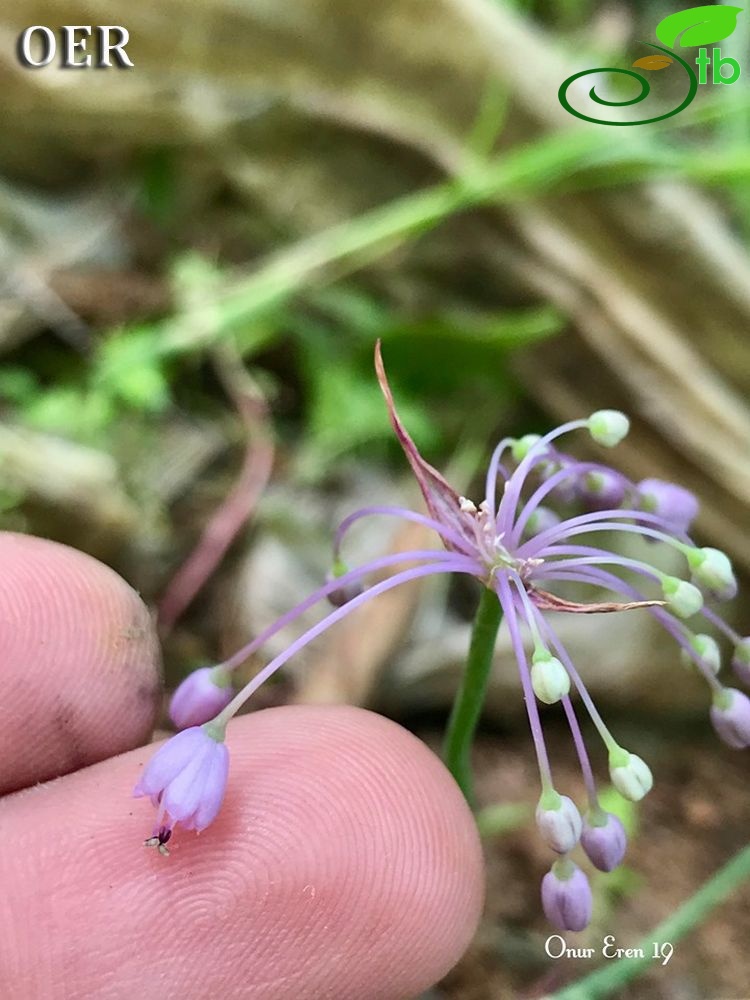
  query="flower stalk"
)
[{"x": 469, "y": 700}]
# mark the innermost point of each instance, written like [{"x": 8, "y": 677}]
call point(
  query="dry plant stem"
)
[
  {"x": 467, "y": 707},
  {"x": 238, "y": 506}
]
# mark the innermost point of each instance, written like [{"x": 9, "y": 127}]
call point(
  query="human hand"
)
[{"x": 344, "y": 863}]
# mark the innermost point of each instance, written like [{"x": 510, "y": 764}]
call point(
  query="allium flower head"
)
[{"x": 534, "y": 531}]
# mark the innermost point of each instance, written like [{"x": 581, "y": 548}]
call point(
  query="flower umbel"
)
[{"x": 534, "y": 530}]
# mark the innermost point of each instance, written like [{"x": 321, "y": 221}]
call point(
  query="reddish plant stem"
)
[{"x": 235, "y": 510}]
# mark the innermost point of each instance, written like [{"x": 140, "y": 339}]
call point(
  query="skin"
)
[{"x": 344, "y": 863}]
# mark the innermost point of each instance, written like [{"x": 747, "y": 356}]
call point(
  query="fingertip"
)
[{"x": 80, "y": 661}]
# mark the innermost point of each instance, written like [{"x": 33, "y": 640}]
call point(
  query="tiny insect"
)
[{"x": 159, "y": 840}]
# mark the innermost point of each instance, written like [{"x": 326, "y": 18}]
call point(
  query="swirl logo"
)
[{"x": 695, "y": 27}]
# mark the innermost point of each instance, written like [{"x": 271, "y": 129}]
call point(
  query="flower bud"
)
[
  {"x": 730, "y": 715},
  {"x": 712, "y": 570},
  {"x": 682, "y": 597},
  {"x": 676, "y": 505},
  {"x": 566, "y": 491},
  {"x": 604, "y": 840},
  {"x": 523, "y": 445},
  {"x": 566, "y": 896},
  {"x": 200, "y": 697},
  {"x": 559, "y": 821},
  {"x": 608, "y": 427},
  {"x": 549, "y": 678},
  {"x": 542, "y": 519},
  {"x": 741, "y": 660},
  {"x": 707, "y": 648},
  {"x": 602, "y": 490},
  {"x": 630, "y": 775},
  {"x": 338, "y": 598}
]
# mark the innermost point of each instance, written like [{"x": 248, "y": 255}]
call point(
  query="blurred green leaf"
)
[
  {"x": 124, "y": 367},
  {"x": 70, "y": 412},
  {"x": 18, "y": 385},
  {"x": 626, "y": 811},
  {"x": 503, "y": 817}
]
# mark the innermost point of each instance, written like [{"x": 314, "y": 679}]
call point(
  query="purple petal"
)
[
  {"x": 182, "y": 796},
  {"x": 217, "y": 771},
  {"x": 732, "y": 721},
  {"x": 169, "y": 760}
]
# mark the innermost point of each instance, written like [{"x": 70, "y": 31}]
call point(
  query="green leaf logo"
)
[{"x": 698, "y": 25}]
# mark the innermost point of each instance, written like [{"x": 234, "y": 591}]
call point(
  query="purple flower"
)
[
  {"x": 200, "y": 697},
  {"x": 675, "y": 505},
  {"x": 730, "y": 715},
  {"x": 185, "y": 780},
  {"x": 566, "y": 896},
  {"x": 604, "y": 840}
]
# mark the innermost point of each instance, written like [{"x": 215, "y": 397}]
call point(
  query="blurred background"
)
[{"x": 197, "y": 256}]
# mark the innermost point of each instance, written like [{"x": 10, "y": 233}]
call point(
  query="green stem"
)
[
  {"x": 467, "y": 706},
  {"x": 603, "y": 982}
]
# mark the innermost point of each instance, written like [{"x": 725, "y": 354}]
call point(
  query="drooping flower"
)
[
  {"x": 566, "y": 896},
  {"x": 559, "y": 821},
  {"x": 518, "y": 543},
  {"x": 604, "y": 840},
  {"x": 185, "y": 780},
  {"x": 730, "y": 715}
]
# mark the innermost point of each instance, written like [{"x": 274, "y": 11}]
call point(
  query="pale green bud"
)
[
  {"x": 523, "y": 445},
  {"x": 682, "y": 597},
  {"x": 559, "y": 821},
  {"x": 608, "y": 427},
  {"x": 712, "y": 570},
  {"x": 630, "y": 775},
  {"x": 549, "y": 678},
  {"x": 707, "y": 648}
]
